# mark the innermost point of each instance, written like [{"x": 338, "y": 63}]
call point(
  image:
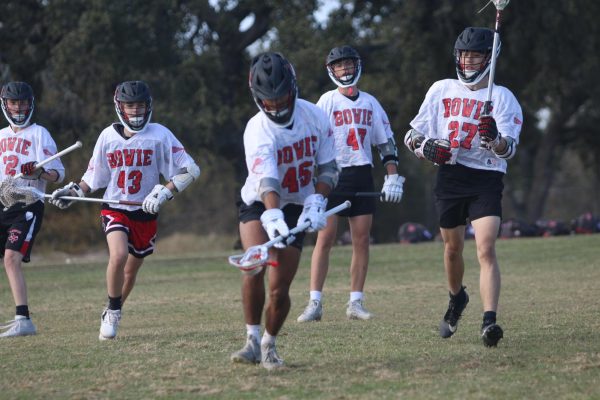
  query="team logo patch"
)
[
  {"x": 175, "y": 149},
  {"x": 257, "y": 167},
  {"x": 518, "y": 121},
  {"x": 13, "y": 235}
]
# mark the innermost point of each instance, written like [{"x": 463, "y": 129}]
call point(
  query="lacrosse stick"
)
[
  {"x": 96, "y": 200},
  {"x": 11, "y": 194},
  {"x": 500, "y": 5},
  {"x": 357, "y": 194},
  {"x": 256, "y": 256}
]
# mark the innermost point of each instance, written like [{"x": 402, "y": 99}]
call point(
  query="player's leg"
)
[
  {"x": 118, "y": 251},
  {"x": 453, "y": 214},
  {"x": 132, "y": 267},
  {"x": 319, "y": 267},
  {"x": 19, "y": 231},
  {"x": 360, "y": 229},
  {"x": 486, "y": 221},
  {"x": 141, "y": 238}
]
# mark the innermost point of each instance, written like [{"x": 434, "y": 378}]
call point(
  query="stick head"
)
[
  {"x": 11, "y": 194},
  {"x": 500, "y": 4},
  {"x": 252, "y": 261}
]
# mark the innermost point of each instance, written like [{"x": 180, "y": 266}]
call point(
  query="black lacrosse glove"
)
[
  {"x": 489, "y": 137},
  {"x": 29, "y": 172},
  {"x": 435, "y": 150}
]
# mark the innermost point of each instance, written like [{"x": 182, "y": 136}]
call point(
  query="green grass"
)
[{"x": 184, "y": 318}]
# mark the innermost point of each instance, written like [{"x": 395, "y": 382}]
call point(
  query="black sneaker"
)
[
  {"x": 491, "y": 335},
  {"x": 450, "y": 322}
]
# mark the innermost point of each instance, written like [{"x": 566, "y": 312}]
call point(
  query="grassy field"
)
[{"x": 184, "y": 318}]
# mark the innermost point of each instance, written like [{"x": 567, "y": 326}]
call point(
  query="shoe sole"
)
[
  {"x": 106, "y": 338},
  {"x": 317, "y": 319},
  {"x": 357, "y": 318},
  {"x": 492, "y": 336}
]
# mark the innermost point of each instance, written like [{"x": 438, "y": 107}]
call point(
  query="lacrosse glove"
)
[
  {"x": 156, "y": 198},
  {"x": 29, "y": 172},
  {"x": 274, "y": 224},
  {"x": 314, "y": 212},
  {"x": 70, "y": 189},
  {"x": 435, "y": 150},
  {"x": 489, "y": 137},
  {"x": 392, "y": 188}
]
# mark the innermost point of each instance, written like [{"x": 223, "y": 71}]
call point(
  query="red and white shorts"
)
[{"x": 140, "y": 234}]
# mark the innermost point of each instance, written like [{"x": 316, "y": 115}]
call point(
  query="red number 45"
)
[{"x": 293, "y": 181}]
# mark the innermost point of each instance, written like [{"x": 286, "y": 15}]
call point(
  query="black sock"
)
[
  {"x": 460, "y": 297},
  {"x": 23, "y": 311},
  {"x": 489, "y": 317},
  {"x": 114, "y": 303}
]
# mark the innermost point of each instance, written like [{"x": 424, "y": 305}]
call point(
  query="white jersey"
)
[
  {"x": 357, "y": 125},
  {"x": 451, "y": 111},
  {"x": 288, "y": 155},
  {"x": 33, "y": 143},
  {"x": 130, "y": 168}
]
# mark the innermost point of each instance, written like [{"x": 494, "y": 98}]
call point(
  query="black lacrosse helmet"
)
[
  {"x": 344, "y": 53},
  {"x": 273, "y": 78},
  {"x": 17, "y": 91},
  {"x": 479, "y": 40},
  {"x": 133, "y": 92}
]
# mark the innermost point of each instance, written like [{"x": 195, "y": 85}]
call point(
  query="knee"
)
[
  {"x": 118, "y": 258},
  {"x": 486, "y": 255},
  {"x": 279, "y": 296},
  {"x": 453, "y": 252}
]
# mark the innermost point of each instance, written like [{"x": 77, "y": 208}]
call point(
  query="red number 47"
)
[{"x": 352, "y": 140}]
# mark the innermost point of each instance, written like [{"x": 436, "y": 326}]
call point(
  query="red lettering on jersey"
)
[
  {"x": 347, "y": 116},
  {"x": 299, "y": 149},
  {"x": 455, "y": 107},
  {"x": 129, "y": 158},
  {"x": 369, "y": 120},
  {"x": 147, "y": 156},
  {"x": 129, "y": 155},
  {"x": 307, "y": 147},
  {"x": 357, "y": 113},
  {"x": 18, "y": 145},
  {"x": 338, "y": 118},
  {"x": 468, "y": 105},
  {"x": 478, "y": 111},
  {"x": 446, "y": 107},
  {"x": 288, "y": 154}
]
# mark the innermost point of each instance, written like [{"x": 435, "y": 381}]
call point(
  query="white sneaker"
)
[
  {"x": 109, "y": 324},
  {"x": 20, "y": 326},
  {"x": 312, "y": 312},
  {"x": 249, "y": 354},
  {"x": 356, "y": 310},
  {"x": 270, "y": 359}
]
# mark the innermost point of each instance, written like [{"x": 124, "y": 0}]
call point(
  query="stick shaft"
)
[
  {"x": 69, "y": 149},
  {"x": 96, "y": 200},
  {"x": 357, "y": 194},
  {"x": 487, "y": 108}
]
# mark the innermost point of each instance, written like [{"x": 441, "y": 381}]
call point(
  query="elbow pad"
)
[
  {"x": 509, "y": 150},
  {"x": 267, "y": 185},
  {"x": 184, "y": 180},
  {"x": 329, "y": 173},
  {"x": 413, "y": 139},
  {"x": 388, "y": 152}
]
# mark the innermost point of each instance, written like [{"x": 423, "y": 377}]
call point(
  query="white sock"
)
[
  {"x": 356, "y": 296},
  {"x": 253, "y": 330},
  {"x": 315, "y": 295},
  {"x": 267, "y": 338}
]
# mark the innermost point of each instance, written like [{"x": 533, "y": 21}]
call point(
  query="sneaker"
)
[
  {"x": 249, "y": 354},
  {"x": 20, "y": 326},
  {"x": 312, "y": 312},
  {"x": 450, "y": 322},
  {"x": 270, "y": 359},
  {"x": 356, "y": 310},
  {"x": 491, "y": 334},
  {"x": 109, "y": 324}
]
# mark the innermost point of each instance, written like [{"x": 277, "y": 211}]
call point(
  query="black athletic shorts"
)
[
  {"x": 18, "y": 228},
  {"x": 291, "y": 213},
  {"x": 354, "y": 179},
  {"x": 463, "y": 193}
]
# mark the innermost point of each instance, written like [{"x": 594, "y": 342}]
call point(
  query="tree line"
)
[{"x": 195, "y": 55}]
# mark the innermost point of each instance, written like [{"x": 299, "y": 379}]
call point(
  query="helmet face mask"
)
[
  {"x": 17, "y": 103},
  {"x": 133, "y": 104},
  {"x": 272, "y": 82},
  {"x": 343, "y": 73},
  {"x": 473, "y": 54}
]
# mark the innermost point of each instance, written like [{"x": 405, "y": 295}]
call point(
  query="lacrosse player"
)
[
  {"x": 128, "y": 159},
  {"x": 22, "y": 145},
  {"x": 358, "y": 122},
  {"x": 471, "y": 149},
  {"x": 289, "y": 146}
]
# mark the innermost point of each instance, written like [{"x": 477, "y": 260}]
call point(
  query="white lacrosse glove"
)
[
  {"x": 70, "y": 189},
  {"x": 156, "y": 198},
  {"x": 314, "y": 212},
  {"x": 273, "y": 222},
  {"x": 392, "y": 188}
]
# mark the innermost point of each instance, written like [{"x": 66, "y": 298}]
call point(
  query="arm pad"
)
[
  {"x": 184, "y": 180},
  {"x": 388, "y": 152},
  {"x": 267, "y": 185},
  {"x": 329, "y": 173},
  {"x": 509, "y": 150}
]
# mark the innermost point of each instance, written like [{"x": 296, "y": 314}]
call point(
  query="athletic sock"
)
[
  {"x": 253, "y": 330},
  {"x": 489, "y": 317},
  {"x": 267, "y": 338},
  {"x": 114, "y": 303},
  {"x": 22, "y": 311},
  {"x": 356, "y": 296},
  {"x": 460, "y": 297},
  {"x": 315, "y": 295}
]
